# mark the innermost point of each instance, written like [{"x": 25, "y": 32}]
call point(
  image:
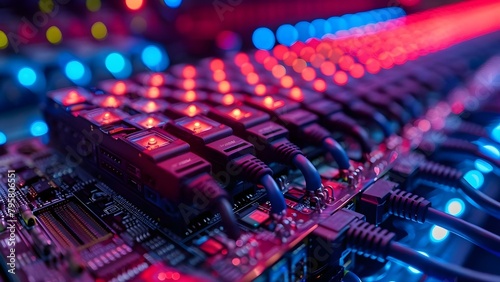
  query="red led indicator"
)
[
  {"x": 152, "y": 141},
  {"x": 238, "y": 114},
  {"x": 228, "y": 99},
  {"x": 119, "y": 88},
  {"x": 149, "y": 106},
  {"x": 197, "y": 126},
  {"x": 271, "y": 104},
  {"x": 72, "y": 98}
]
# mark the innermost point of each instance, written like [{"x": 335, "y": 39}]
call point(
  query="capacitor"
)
[{"x": 27, "y": 215}]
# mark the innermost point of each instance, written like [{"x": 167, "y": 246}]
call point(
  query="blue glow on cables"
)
[
  {"x": 155, "y": 58},
  {"x": 414, "y": 270},
  {"x": 39, "y": 128},
  {"x": 474, "y": 178},
  {"x": 455, "y": 207},
  {"x": 263, "y": 38},
  {"x": 26, "y": 76},
  {"x": 3, "y": 138},
  {"x": 483, "y": 166},
  {"x": 287, "y": 34}
]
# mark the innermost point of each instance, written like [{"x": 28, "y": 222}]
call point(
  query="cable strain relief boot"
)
[
  {"x": 253, "y": 168},
  {"x": 408, "y": 206},
  {"x": 369, "y": 240},
  {"x": 285, "y": 150},
  {"x": 439, "y": 173}
]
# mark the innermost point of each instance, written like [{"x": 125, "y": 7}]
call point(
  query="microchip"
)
[
  {"x": 211, "y": 247},
  {"x": 42, "y": 188},
  {"x": 255, "y": 218},
  {"x": 295, "y": 194},
  {"x": 27, "y": 177}
]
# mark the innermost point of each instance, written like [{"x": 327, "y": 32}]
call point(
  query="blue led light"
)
[
  {"x": 173, "y": 3},
  {"x": 475, "y": 178},
  {"x": 74, "y": 70},
  {"x": 495, "y": 133},
  {"x": 26, "y": 76},
  {"x": 414, "y": 270},
  {"x": 115, "y": 62},
  {"x": 263, "y": 38},
  {"x": 337, "y": 24},
  {"x": 287, "y": 34},
  {"x": 483, "y": 166},
  {"x": 491, "y": 151},
  {"x": 3, "y": 138},
  {"x": 455, "y": 207},
  {"x": 155, "y": 58},
  {"x": 39, "y": 128},
  {"x": 321, "y": 27},
  {"x": 438, "y": 234},
  {"x": 305, "y": 30}
]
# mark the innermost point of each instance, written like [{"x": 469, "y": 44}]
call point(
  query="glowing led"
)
[
  {"x": 260, "y": 89},
  {"x": 190, "y": 96},
  {"x": 455, "y": 207},
  {"x": 39, "y": 128},
  {"x": 72, "y": 98},
  {"x": 106, "y": 116},
  {"x": 152, "y": 141},
  {"x": 438, "y": 234},
  {"x": 156, "y": 80},
  {"x": 321, "y": 27},
  {"x": 286, "y": 81},
  {"x": 110, "y": 102},
  {"x": 119, "y": 88},
  {"x": 252, "y": 78},
  {"x": 93, "y": 5},
  {"x": 236, "y": 113},
  {"x": 54, "y": 35},
  {"x": 155, "y": 58},
  {"x": 189, "y": 84},
  {"x": 287, "y": 34},
  {"x": 115, "y": 62},
  {"x": 305, "y": 30},
  {"x": 491, "y": 151},
  {"x": 192, "y": 110},
  {"x": 150, "y": 122},
  {"x": 296, "y": 94},
  {"x": 495, "y": 133},
  {"x": 228, "y": 99},
  {"x": 340, "y": 78},
  {"x": 188, "y": 71},
  {"x": 483, "y": 166},
  {"x": 224, "y": 86},
  {"x": 3, "y": 138},
  {"x": 26, "y": 76},
  {"x": 219, "y": 75},
  {"x": 151, "y": 106},
  {"x": 268, "y": 102},
  {"x": 474, "y": 178},
  {"x": 240, "y": 59},
  {"x": 319, "y": 85},
  {"x": 216, "y": 64},
  {"x": 153, "y": 92},
  {"x": 278, "y": 71},
  {"x": 134, "y": 4},
  {"x": 263, "y": 38},
  {"x": 173, "y": 3},
  {"x": 74, "y": 70},
  {"x": 4, "y": 40},
  {"x": 99, "y": 30}
]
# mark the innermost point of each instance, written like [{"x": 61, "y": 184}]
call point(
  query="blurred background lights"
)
[
  {"x": 483, "y": 166},
  {"x": 38, "y": 128},
  {"x": 54, "y": 35},
  {"x": 155, "y": 58},
  {"x": 321, "y": 27},
  {"x": 134, "y": 4},
  {"x": 287, "y": 34},
  {"x": 74, "y": 70},
  {"x": 491, "y": 151},
  {"x": 414, "y": 270},
  {"x": 438, "y": 234},
  {"x": 228, "y": 40},
  {"x": 455, "y": 207},
  {"x": 263, "y": 38},
  {"x": 173, "y": 3},
  {"x": 305, "y": 30},
  {"x": 4, "y": 40},
  {"x": 46, "y": 6},
  {"x": 495, "y": 133},
  {"x": 26, "y": 76},
  {"x": 115, "y": 62},
  {"x": 93, "y": 5},
  {"x": 474, "y": 178},
  {"x": 99, "y": 30},
  {"x": 3, "y": 138}
]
